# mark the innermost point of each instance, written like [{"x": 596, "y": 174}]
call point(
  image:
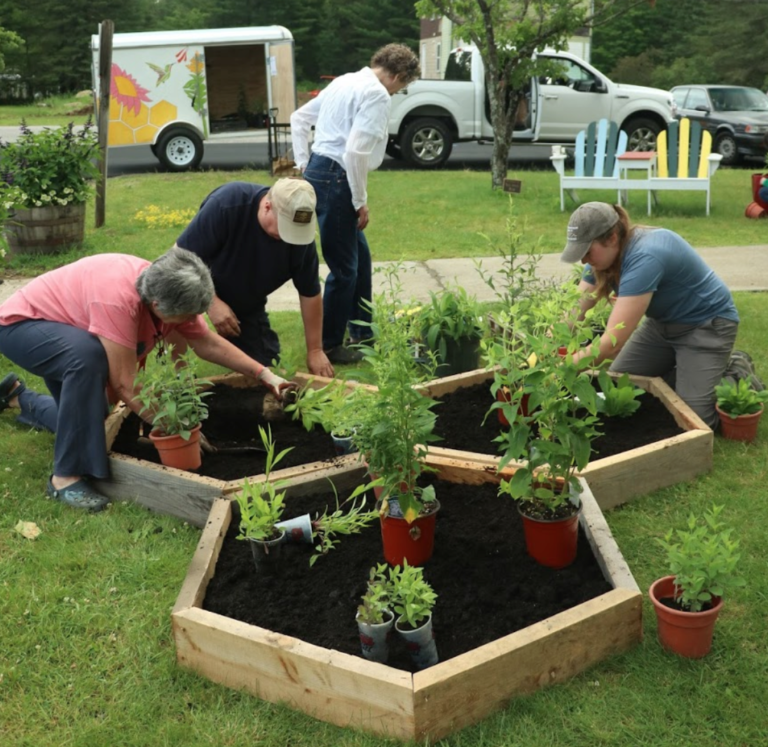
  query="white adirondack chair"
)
[{"x": 595, "y": 165}]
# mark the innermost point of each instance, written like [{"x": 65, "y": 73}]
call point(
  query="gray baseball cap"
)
[{"x": 588, "y": 222}]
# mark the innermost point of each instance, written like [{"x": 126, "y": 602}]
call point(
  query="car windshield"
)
[{"x": 738, "y": 100}]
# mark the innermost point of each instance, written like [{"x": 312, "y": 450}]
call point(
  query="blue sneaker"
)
[{"x": 78, "y": 495}]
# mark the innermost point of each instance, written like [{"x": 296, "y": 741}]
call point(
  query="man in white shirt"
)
[{"x": 350, "y": 117}]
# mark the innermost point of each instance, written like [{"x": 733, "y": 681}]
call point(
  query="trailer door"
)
[{"x": 281, "y": 79}]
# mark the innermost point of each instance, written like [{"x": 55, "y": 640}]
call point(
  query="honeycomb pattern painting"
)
[{"x": 133, "y": 117}]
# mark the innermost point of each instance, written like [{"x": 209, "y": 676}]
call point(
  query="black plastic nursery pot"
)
[{"x": 461, "y": 355}]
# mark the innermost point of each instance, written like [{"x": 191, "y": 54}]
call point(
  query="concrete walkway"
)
[{"x": 744, "y": 268}]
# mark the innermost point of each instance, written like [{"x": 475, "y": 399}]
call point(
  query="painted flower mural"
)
[
  {"x": 196, "y": 90},
  {"x": 126, "y": 90}
]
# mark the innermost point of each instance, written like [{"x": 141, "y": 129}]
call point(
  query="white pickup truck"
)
[{"x": 429, "y": 116}]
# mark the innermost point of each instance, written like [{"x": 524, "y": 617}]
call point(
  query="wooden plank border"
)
[
  {"x": 189, "y": 496},
  {"x": 621, "y": 478},
  {"x": 349, "y": 691}
]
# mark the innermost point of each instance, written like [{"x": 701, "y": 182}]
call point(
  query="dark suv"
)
[{"x": 736, "y": 116}]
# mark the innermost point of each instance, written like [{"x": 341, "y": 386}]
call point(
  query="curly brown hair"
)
[{"x": 399, "y": 61}]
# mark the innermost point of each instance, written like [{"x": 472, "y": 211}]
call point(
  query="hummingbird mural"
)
[{"x": 163, "y": 73}]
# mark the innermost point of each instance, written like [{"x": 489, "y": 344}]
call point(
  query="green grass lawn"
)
[
  {"x": 86, "y": 652},
  {"x": 54, "y": 110},
  {"x": 420, "y": 215}
]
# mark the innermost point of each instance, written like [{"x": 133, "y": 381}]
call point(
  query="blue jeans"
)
[
  {"x": 257, "y": 338},
  {"x": 73, "y": 364},
  {"x": 345, "y": 251}
]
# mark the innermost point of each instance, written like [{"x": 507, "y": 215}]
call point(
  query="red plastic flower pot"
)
[
  {"x": 741, "y": 428},
  {"x": 755, "y": 210},
  {"x": 552, "y": 542},
  {"x": 503, "y": 395},
  {"x": 687, "y": 634},
  {"x": 413, "y": 542},
  {"x": 175, "y": 452}
]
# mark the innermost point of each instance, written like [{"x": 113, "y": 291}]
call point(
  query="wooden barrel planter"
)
[{"x": 45, "y": 230}]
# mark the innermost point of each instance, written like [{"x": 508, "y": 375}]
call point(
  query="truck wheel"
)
[
  {"x": 725, "y": 145},
  {"x": 426, "y": 143},
  {"x": 179, "y": 150},
  {"x": 641, "y": 134}
]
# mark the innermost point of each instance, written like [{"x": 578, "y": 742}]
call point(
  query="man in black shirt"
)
[{"x": 255, "y": 238}]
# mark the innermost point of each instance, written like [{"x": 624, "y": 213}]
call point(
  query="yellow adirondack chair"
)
[{"x": 684, "y": 159}]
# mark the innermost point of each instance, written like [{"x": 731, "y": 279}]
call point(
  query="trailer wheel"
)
[
  {"x": 179, "y": 150},
  {"x": 426, "y": 143}
]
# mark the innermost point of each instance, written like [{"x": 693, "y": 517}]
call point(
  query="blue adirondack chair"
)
[
  {"x": 685, "y": 159},
  {"x": 595, "y": 155}
]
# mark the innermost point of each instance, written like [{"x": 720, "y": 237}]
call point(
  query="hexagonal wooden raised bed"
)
[
  {"x": 350, "y": 691},
  {"x": 617, "y": 479},
  {"x": 185, "y": 494}
]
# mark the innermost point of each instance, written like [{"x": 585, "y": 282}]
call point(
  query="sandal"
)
[
  {"x": 78, "y": 495},
  {"x": 7, "y": 391}
]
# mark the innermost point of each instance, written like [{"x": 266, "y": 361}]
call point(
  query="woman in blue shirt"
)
[{"x": 690, "y": 319}]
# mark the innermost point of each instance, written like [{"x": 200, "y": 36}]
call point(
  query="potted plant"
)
[
  {"x": 702, "y": 561},
  {"x": 328, "y": 408},
  {"x": 172, "y": 397},
  {"x": 740, "y": 408},
  {"x": 413, "y": 600},
  {"x": 553, "y": 433},
  {"x": 46, "y": 179},
  {"x": 261, "y": 508},
  {"x": 374, "y": 616},
  {"x": 451, "y": 325},
  {"x": 396, "y": 424}
]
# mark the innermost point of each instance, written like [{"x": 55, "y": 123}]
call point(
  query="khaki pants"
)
[{"x": 691, "y": 358}]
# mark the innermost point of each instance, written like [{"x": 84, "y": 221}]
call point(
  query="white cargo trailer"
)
[{"x": 173, "y": 90}]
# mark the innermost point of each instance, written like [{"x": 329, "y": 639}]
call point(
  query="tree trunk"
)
[
  {"x": 503, "y": 104},
  {"x": 499, "y": 158}
]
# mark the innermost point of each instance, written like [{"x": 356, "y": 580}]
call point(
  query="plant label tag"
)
[{"x": 514, "y": 186}]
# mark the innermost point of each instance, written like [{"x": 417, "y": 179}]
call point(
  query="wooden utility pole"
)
[{"x": 106, "y": 32}]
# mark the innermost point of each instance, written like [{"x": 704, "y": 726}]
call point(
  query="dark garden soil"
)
[
  {"x": 460, "y": 424},
  {"x": 235, "y": 414},
  {"x": 234, "y": 417},
  {"x": 487, "y": 586}
]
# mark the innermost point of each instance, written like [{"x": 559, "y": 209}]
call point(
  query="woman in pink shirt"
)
[{"x": 87, "y": 325}]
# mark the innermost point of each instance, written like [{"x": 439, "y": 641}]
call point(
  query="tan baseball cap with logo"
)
[{"x": 294, "y": 201}]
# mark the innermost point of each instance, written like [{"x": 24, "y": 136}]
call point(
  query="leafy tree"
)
[
  {"x": 56, "y": 55},
  {"x": 9, "y": 41},
  {"x": 353, "y": 31},
  {"x": 507, "y": 34},
  {"x": 731, "y": 41},
  {"x": 686, "y": 41},
  {"x": 665, "y": 27}
]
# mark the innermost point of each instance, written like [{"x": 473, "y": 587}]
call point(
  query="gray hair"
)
[{"x": 179, "y": 281}]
